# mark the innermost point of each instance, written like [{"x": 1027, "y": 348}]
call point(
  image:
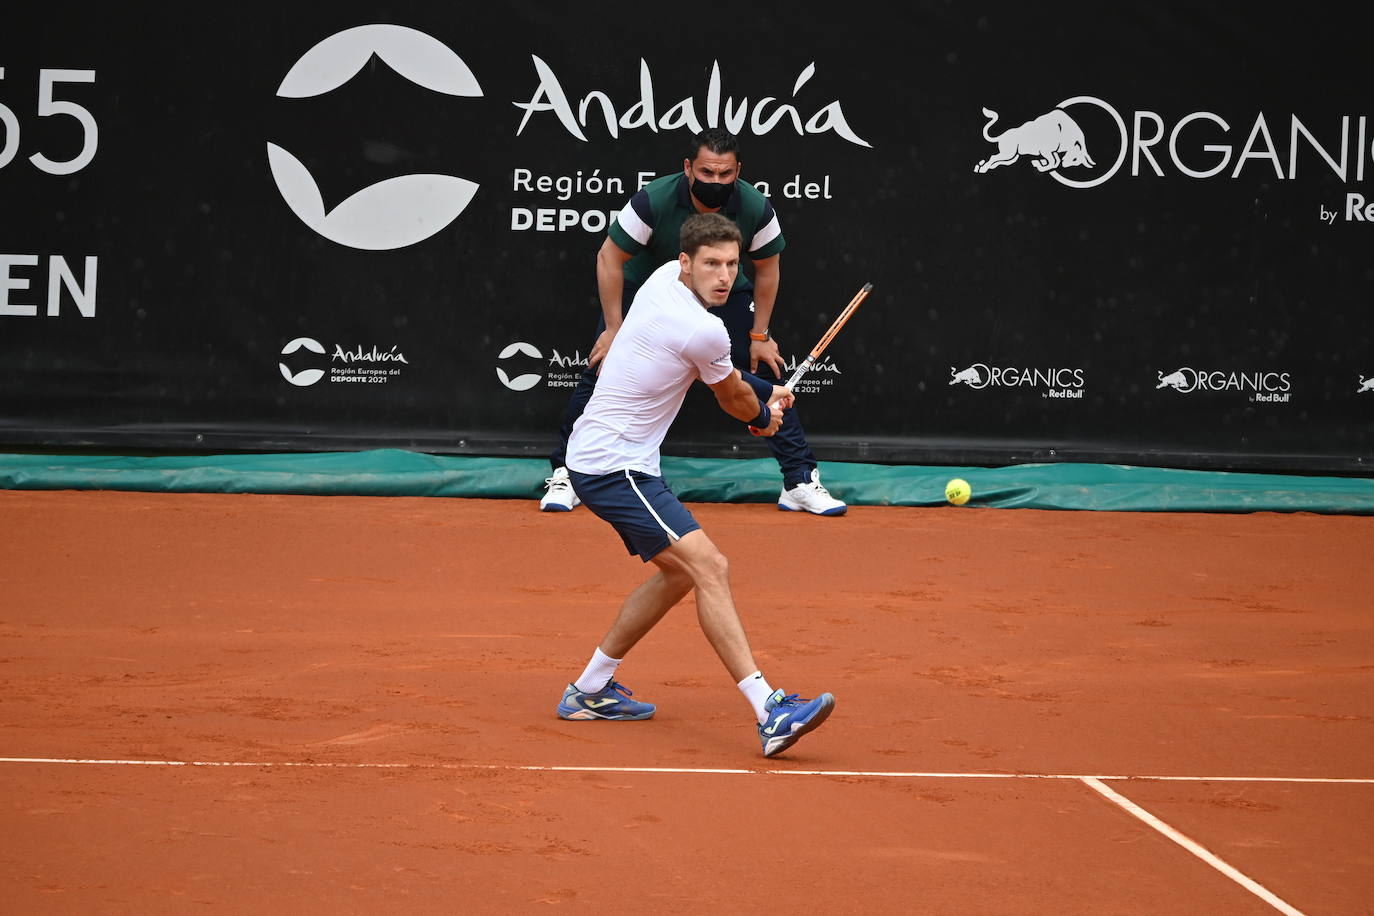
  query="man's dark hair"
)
[
  {"x": 716, "y": 140},
  {"x": 708, "y": 229}
]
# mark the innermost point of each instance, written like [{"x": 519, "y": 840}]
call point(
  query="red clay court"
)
[{"x": 345, "y": 704}]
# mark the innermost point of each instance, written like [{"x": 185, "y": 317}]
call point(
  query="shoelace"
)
[
  {"x": 619, "y": 688},
  {"x": 551, "y": 482},
  {"x": 792, "y": 699}
]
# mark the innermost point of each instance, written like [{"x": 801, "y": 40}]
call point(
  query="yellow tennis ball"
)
[{"x": 957, "y": 491}]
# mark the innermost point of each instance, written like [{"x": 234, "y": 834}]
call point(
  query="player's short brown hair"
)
[{"x": 708, "y": 229}]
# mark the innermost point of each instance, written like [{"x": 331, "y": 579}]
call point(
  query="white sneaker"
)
[
  {"x": 560, "y": 496},
  {"x": 811, "y": 497}
]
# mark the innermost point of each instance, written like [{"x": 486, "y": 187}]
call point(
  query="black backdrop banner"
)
[{"x": 1134, "y": 233}]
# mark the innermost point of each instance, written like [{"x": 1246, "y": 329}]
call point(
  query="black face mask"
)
[{"x": 712, "y": 194}]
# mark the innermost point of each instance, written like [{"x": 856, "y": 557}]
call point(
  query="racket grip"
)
[{"x": 791, "y": 383}]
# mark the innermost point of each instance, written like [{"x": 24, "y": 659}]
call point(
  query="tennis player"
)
[
  {"x": 668, "y": 341},
  {"x": 646, "y": 234}
]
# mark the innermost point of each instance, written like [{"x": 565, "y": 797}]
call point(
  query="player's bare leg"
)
[
  {"x": 697, "y": 558},
  {"x": 782, "y": 718},
  {"x": 645, "y": 607},
  {"x": 596, "y": 694}
]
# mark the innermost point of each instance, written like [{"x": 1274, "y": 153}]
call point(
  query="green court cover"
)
[{"x": 396, "y": 472}]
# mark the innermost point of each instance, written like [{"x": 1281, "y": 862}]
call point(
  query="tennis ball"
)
[{"x": 957, "y": 491}]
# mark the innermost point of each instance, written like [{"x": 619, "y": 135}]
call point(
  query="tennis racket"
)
[{"x": 819, "y": 348}]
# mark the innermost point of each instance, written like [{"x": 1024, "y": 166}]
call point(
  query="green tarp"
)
[{"x": 394, "y": 472}]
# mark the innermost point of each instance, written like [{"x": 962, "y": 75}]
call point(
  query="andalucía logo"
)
[
  {"x": 716, "y": 107},
  {"x": 527, "y": 380},
  {"x": 1060, "y": 382},
  {"x": 399, "y": 211},
  {"x": 1262, "y": 387},
  {"x": 304, "y": 377},
  {"x": 557, "y": 370},
  {"x": 372, "y": 365}
]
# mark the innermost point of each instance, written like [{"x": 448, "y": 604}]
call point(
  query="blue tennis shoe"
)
[
  {"x": 613, "y": 702},
  {"x": 790, "y": 717}
]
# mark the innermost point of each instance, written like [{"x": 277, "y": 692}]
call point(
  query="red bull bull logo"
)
[{"x": 1053, "y": 141}]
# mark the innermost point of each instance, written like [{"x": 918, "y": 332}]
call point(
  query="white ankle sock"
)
[
  {"x": 598, "y": 674},
  {"x": 757, "y": 691}
]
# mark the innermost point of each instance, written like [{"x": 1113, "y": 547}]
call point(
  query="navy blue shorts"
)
[{"x": 639, "y": 506}]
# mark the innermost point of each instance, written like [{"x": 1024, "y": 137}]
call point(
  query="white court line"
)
[
  {"x": 1105, "y": 778},
  {"x": 312, "y": 764},
  {"x": 870, "y": 774},
  {"x": 1195, "y": 848}
]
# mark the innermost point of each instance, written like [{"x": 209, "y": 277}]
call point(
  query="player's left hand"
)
[
  {"x": 774, "y": 423},
  {"x": 765, "y": 351}
]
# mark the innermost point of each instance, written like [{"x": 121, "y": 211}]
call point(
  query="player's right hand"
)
[
  {"x": 600, "y": 348},
  {"x": 782, "y": 396}
]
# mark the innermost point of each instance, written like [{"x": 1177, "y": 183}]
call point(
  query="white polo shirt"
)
[{"x": 667, "y": 341}]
